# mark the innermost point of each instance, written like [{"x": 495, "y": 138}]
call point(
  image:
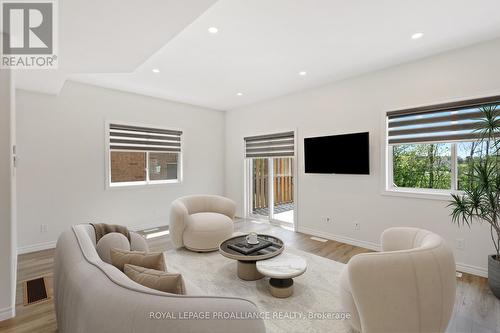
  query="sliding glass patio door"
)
[
  {"x": 283, "y": 188},
  {"x": 271, "y": 190},
  {"x": 270, "y": 177},
  {"x": 259, "y": 194}
]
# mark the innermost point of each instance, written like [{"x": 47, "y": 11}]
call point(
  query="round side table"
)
[{"x": 282, "y": 269}]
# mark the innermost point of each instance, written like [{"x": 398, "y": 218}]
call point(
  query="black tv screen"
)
[{"x": 341, "y": 154}]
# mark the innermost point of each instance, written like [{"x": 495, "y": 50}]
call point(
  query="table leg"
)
[
  {"x": 281, "y": 288},
  {"x": 248, "y": 271}
]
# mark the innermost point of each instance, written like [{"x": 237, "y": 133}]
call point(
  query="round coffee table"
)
[
  {"x": 246, "y": 263},
  {"x": 282, "y": 269}
]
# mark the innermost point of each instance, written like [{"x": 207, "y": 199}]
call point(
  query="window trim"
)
[
  {"x": 138, "y": 184},
  {"x": 439, "y": 194}
]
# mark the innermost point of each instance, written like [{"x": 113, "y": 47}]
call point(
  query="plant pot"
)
[{"x": 494, "y": 275}]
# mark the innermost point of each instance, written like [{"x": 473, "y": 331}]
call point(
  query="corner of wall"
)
[
  {"x": 224, "y": 154},
  {"x": 13, "y": 224},
  {"x": 7, "y": 313},
  {"x": 8, "y": 269}
]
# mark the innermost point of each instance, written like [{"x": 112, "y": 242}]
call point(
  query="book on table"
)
[{"x": 246, "y": 248}]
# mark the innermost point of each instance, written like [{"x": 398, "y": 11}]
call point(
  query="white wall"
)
[
  {"x": 8, "y": 256},
  {"x": 61, "y": 170},
  {"x": 357, "y": 105}
]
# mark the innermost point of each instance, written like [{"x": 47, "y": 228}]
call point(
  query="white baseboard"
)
[
  {"x": 342, "y": 239},
  {"x": 474, "y": 270},
  {"x": 36, "y": 247},
  {"x": 470, "y": 269},
  {"x": 6, "y": 313}
]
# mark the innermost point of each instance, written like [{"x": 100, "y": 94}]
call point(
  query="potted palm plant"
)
[{"x": 481, "y": 200}]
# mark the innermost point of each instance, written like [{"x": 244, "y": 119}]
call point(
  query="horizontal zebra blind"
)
[
  {"x": 125, "y": 137},
  {"x": 272, "y": 145},
  {"x": 439, "y": 123}
]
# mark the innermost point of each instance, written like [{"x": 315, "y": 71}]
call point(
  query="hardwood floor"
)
[
  {"x": 476, "y": 309},
  {"x": 39, "y": 317}
]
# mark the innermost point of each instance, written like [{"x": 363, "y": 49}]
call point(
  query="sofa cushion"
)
[
  {"x": 152, "y": 260},
  {"x": 113, "y": 240},
  {"x": 205, "y": 231},
  {"x": 158, "y": 280}
]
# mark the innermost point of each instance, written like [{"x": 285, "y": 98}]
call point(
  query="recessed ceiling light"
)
[
  {"x": 302, "y": 73},
  {"x": 239, "y": 94},
  {"x": 213, "y": 30},
  {"x": 417, "y": 35},
  {"x": 155, "y": 70}
]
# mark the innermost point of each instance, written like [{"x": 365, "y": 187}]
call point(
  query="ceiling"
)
[
  {"x": 260, "y": 48},
  {"x": 109, "y": 36}
]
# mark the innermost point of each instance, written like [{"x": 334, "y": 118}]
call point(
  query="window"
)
[
  {"x": 433, "y": 149},
  {"x": 142, "y": 155},
  {"x": 422, "y": 166}
]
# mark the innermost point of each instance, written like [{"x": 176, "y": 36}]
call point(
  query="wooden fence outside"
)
[{"x": 283, "y": 182}]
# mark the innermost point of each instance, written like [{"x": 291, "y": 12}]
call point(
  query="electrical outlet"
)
[
  {"x": 44, "y": 228},
  {"x": 357, "y": 226},
  {"x": 327, "y": 219},
  {"x": 461, "y": 244}
]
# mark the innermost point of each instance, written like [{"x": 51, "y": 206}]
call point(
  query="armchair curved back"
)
[
  {"x": 209, "y": 204},
  {"x": 193, "y": 204},
  {"x": 410, "y": 287}
]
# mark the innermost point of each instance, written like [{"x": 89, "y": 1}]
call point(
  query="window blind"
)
[
  {"x": 272, "y": 145},
  {"x": 125, "y": 137},
  {"x": 457, "y": 121}
]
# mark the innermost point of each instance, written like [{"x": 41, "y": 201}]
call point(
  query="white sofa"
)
[
  {"x": 201, "y": 222},
  {"x": 93, "y": 296},
  {"x": 409, "y": 287}
]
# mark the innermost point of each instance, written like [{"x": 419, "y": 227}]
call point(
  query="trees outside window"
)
[
  {"x": 422, "y": 166},
  {"x": 431, "y": 166}
]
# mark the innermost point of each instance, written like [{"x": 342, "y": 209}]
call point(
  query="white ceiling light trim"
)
[
  {"x": 155, "y": 70},
  {"x": 302, "y": 73},
  {"x": 213, "y": 30}
]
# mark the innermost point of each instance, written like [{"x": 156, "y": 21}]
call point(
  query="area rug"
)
[{"x": 314, "y": 306}]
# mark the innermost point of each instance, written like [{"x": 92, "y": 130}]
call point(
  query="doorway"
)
[
  {"x": 271, "y": 190},
  {"x": 271, "y": 178}
]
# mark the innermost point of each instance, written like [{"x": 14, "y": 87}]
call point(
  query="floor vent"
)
[
  {"x": 35, "y": 291},
  {"x": 318, "y": 239}
]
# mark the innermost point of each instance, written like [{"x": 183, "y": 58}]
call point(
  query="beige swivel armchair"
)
[
  {"x": 409, "y": 287},
  {"x": 201, "y": 222}
]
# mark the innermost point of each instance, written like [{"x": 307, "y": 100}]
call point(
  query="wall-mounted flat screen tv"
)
[{"x": 340, "y": 154}]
